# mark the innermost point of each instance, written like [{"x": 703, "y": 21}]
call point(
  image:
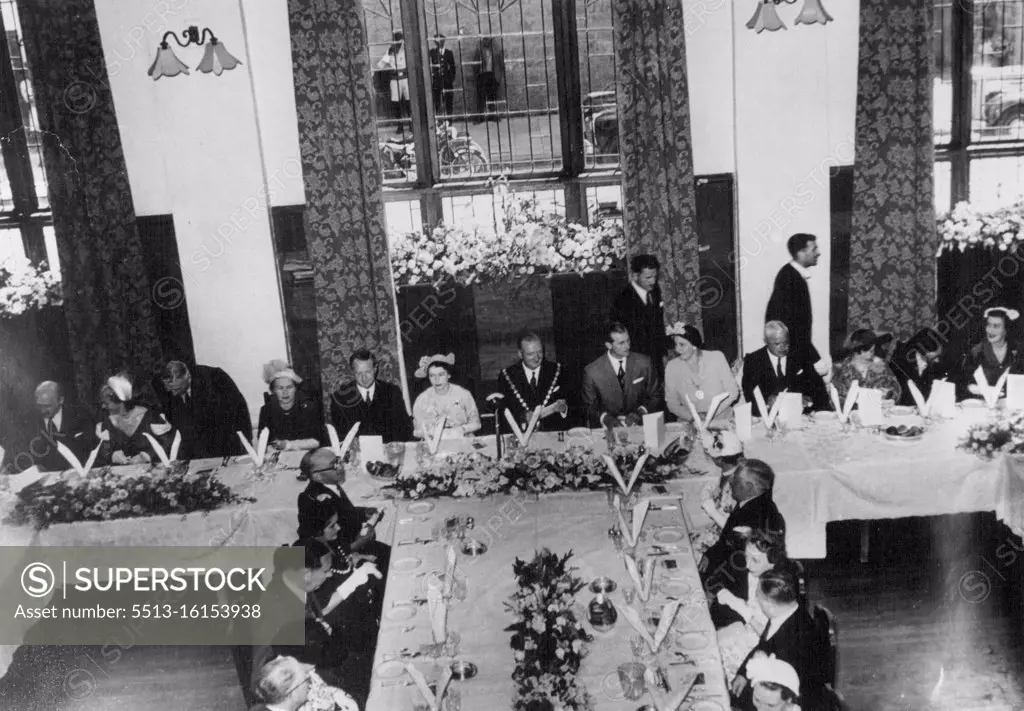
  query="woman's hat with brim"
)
[
  {"x": 864, "y": 338},
  {"x": 426, "y": 361},
  {"x": 279, "y": 369}
]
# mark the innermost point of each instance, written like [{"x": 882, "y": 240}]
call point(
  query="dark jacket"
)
[
  {"x": 77, "y": 431},
  {"x": 799, "y": 643},
  {"x": 646, "y": 323},
  {"x": 602, "y": 393},
  {"x": 384, "y": 417},
  {"x": 442, "y": 67},
  {"x": 790, "y": 303},
  {"x": 521, "y": 400},
  {"x": 981, "y": 355},
  {"x": 725, "y": 559},
  {"x": 800, "y": 377},
  {"x": 904, "y": 367},
  {"x": 137, "y": 442},
  {"x": 303, "y": 421},
  {"x": 209, "y": 417}
]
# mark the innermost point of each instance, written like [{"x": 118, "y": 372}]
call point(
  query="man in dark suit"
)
[
  {"x": 639, "y": 308},
  {"x": 442, "y": 76},
  {"x": 790, "y": 301},
  {"x": 377, "y": 405},
  {"x": 791, "y": 636},
  {"x": 773, "y": 369},
  {"x": 58, "y": 422},
  {"x": 751, "y": 485},
  {"x": 534, "y": 382},
  {"x": 920, "y": 360},
  {"x": 205, "y": 405},
  {"x": 620, "y": 387}
]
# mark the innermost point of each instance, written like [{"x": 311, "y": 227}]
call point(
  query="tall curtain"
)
[
  {"x": 655, "y": 147},
  {"x": 894, "y": 237},
  {"x": 344, "y": 216},
  {"x": 108, "y": 304}
]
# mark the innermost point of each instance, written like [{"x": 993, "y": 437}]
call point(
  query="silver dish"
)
[
  {"x": 462, "y": 670},
  {"x": 603, "y": 585},
  {"x": 473, "y": 547}
]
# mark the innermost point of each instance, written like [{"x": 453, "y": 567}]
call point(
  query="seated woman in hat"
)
[
  {"x": 443, "y": 400},
  {"x": 862, "y": 363},
  {"x": 294, "y": 420},
  {"x": 995, "y": 354},
  {"x": 124, "y": 428}
]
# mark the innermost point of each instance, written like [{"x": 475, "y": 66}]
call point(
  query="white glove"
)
[{"x": 360, "y": 576}]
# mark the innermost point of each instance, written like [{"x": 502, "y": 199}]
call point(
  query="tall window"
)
[
  {"x": 979, "y": 101},
  {"x": 487, "y": 88},
  {"x": 26, "y": 227}
]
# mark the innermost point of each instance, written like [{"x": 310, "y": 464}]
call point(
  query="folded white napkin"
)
[
  {"x": 990, "y": 392},
  {"x": 75, "y": 463},
  {"x": 632, "y": 533},
  {"x": 523, "y": 437},
  {"x": 942, "y": 401},
  {"x": 767, "y": 416},
  {"x": 668, "y": 616},
  {"x": 438, "y": 608},
  {"x": 433, "y": 700},
  {"x": 744, "y": 421},
  {"x": 434, "y": 438},
  {"x": 642, "y": 581},
  {"x": 869, "y": 404},
  {"x": 1015, "y": 392},
  {"x": 654, "y": 432},
  {"x": 449, "y": 572},
  {"x": 17, "y": 482},
  {"x": 703, "y": 423},
  {"x": 923, "y": 406},
  {"x": 844, "y": 410},
  {"x": 613, "y": 469},
  {"x": 165, "y": 458},
  {"x": 260, "y": 452},
  {"x": 340, "y": 448}
]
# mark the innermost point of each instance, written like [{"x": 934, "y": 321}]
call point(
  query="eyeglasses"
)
[{"x": 306, "y": 680}]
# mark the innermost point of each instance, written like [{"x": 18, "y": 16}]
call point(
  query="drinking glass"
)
[
  {"x": 628, "y": 593},
  {"x": 631, "y": 677}
]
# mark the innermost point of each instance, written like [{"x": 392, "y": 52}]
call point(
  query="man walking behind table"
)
[{"x": 790, "y": 301}]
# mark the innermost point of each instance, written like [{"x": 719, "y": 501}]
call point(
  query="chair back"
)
[{"x": 825, "y": 622}]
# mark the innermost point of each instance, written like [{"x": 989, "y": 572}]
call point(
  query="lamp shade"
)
[
  {"x": 166, "y": 64},
  {"x": 812, "y": 13},
  {"x": 217, "y": 59},
  {"x": 766, "y": 17}
]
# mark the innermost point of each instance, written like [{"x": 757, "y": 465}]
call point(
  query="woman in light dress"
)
[
  {"x": 443, "y": 400},
  {"x": 699, "y": 375}
]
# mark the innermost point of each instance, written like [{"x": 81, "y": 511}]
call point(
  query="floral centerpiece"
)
[
  {"x": 965, "y": 226},
  {"x": 535, "y": 472},
  {"x": 104, "y": 495},
  {"x": 1004, "y": 435},
  {"x": 527, "y": 240},
  {"x": 24, "y": 287},
  {"x": 548, "y": 641}
]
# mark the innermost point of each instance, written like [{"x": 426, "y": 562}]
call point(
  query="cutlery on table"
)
[
  {"x": 412, "y": 601},
  {"x": 415, "y": 542}
]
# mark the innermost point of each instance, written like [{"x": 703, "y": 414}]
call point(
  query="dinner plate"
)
[
  {"x": 406, "y": 565},
  {"x": 677, "y": 588},
  {"x": 903, "y": 410},
  {"x": 401, "y": 613},
  {"x": 707, "y": 705},
  {"x": 420, "y": 507},
  {"x": 669, "y": 535},
  {"x": 692, "y": 641},
  {"x": 898, "y": 438},
  {"x": 972, "y": 404},
  {"x": 390, "y": 669}
]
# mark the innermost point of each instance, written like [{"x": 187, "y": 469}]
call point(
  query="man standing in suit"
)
[
  {"x": 534, "y": 382},
  {"x": 442, "y": 76},
  {"x": 791, "y": 636},
  {"x": 58, "y": 422},
  {"x": 205, "y": 405},
  {"x": 773, "y": 369},
  {"x": 376, "y": 404},
  {"x": 620, "y": 387},
  {"x": 790, "y": 301},
  {"x": 640, "y": 309}
]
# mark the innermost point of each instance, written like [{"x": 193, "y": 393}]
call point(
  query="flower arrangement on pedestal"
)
[
  {"x": 548, "y": 641},
  {"x": 24, "y": 287},
  {"x": 105, "y": 494},
  {"x": 1004, "y": 435},
  {"x": 527, "y": 240},
  {"x": 1001, "y": 228}
]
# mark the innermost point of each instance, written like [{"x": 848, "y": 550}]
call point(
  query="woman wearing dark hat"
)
[
  {"x": 920, "y": 361},
  {"x": 699, "y": 375},
  {"x": 996, "y": 354},
  {"x": 861, "y": 363}
]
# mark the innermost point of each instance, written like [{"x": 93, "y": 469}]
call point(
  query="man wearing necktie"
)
[
  {"x": 620, "y": 387},
  {"x": 776, "y": 367},
  {"x": 377, "y": 405},
  {"x": 534, "y": 382},
  {"x": 639, "y": 308},
  {"x": 58, "y": 422}
]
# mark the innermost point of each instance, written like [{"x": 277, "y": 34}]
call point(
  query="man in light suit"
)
[
  {"x": 534, "y": 382},
  {"x": 790, "y": 301},
  {"x": 620, "y": 387},
  {"x": 774, "y": 368}
]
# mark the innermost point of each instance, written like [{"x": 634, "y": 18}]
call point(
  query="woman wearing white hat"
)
[
  {"x": 126, "y": 423},
  {"x": 294, "y": 420},
  {"x": 443, "y": 400},
  {"x": 776, "y": 684},
  {"x": 995, "y": 355}
]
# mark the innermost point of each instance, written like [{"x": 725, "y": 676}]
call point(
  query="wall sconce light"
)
[
  {"x": 766, "y": 16},
  {"x": 216, "y": 59}
]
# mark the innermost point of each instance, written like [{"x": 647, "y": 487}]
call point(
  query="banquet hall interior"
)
[{"x": 234, "y": 223}]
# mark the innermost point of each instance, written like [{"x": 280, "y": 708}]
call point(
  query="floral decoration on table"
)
[
  {"x": 25, "y": 287},
  {"x": 1004, "y": 435},
  {"x": 548, "y": 640},
  {"x": 104, "y": 495},
  {"x": 528, "y": 240},
  {"x": 536, "y": 472},
  {"x": 965, "y": 226}
]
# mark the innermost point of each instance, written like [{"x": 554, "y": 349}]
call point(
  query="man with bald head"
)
[
  {"x": 776, "y": 367},
  {"x": 58, "y": 422}
]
